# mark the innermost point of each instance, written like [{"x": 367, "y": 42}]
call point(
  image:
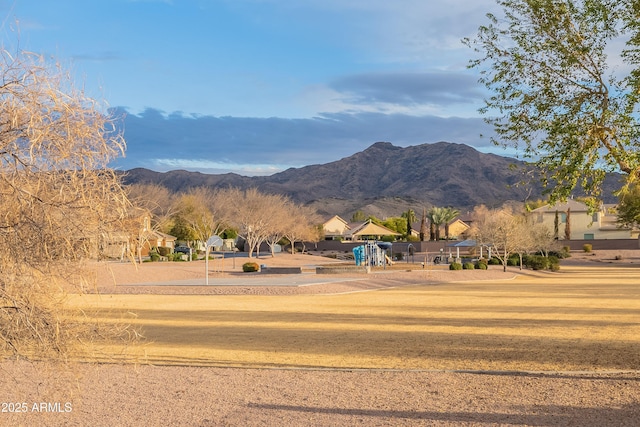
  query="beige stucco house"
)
[
  {"x": 336, "y": 228},
  {"x": 583, "y": 224}
]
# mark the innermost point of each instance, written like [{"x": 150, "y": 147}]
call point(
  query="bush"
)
[
  {"x": 587, "y": 247},
  {"x": 164, "y": 251},
  {"x": 154, "y": 256},
  {"x": 481, "y": 264},
  {"x": 513, "y": 260},
  {"x": 561, "y": 254},
  {"x": 538, "y": 262},
  {"x": 250, "y": 267},
  {"x": 468, "y": 266},
  {"x": 455, "y": 266},
  {"x": 494, "y": 261},
  {"x": 176, "y": 256},
  {"x": 553, "y": 263}
]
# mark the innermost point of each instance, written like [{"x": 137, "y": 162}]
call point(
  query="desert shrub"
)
[
  {"x": 468, "y": 266},
  {"x": 537, "y": 262},
  {"x": 154, "y": 256},
  {"x": 561, "y": 254},
  {"x": 455, "y": 266},
  {"x": 164, "y": 251},
  {"x": 250, "y": 267},
  {"x": 553, "y": 263},
  {"x": 176, "y": 256},
  {"x": 587, "y": 247},
  {"x": 513, "y": 260},
  {"x": 481, "y": 264},
  {"x": 494, "y": 261}
]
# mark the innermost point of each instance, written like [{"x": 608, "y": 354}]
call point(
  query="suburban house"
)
[
  {"x": 584, "y": 225},
  {"x": 137, "y": 237},
  {"x": 457, "y": 229},
  {"x": 157, "y": 239},
  {"x": 337, "y": 228}
]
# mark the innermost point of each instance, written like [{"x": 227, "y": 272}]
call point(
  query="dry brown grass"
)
[{"x": 582, "y": 319}]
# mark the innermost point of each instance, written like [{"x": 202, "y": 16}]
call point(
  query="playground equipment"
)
[{"x": 372, "y": 254}]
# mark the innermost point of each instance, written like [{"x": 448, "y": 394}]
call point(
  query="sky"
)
[{"x": 258, "y": 86}]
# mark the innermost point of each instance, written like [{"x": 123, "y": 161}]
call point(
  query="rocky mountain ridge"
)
[{"x": 382, "y": 180}]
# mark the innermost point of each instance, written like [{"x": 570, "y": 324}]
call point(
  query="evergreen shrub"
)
[{"x": 250, "y": 267}]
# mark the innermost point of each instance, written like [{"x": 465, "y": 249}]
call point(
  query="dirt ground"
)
[{"x": 126, "y": 395}]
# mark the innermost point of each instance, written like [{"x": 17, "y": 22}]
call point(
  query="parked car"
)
[{"x": 182, "y": 249}]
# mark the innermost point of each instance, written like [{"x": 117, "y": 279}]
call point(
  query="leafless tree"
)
[
  {"x": 152, "y": 207},
  {"x": 159, "y": 201},
  {"x": 59, "y": 202},
  {"x": 501, "y": 230},
  {"x": 254, "y": 214},
  {"x": 303, "y": 226}
]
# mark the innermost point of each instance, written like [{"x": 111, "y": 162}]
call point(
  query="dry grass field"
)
[
  {"x": 420, "y": 348},
  {"x": 582, "y": 319}
]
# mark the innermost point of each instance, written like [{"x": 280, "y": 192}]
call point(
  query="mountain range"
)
[{"x": 383, "y": 180}]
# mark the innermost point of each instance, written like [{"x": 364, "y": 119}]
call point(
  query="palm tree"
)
[
  {"x": 448, "y": 215},
  {"x": 436, "y": 219}
]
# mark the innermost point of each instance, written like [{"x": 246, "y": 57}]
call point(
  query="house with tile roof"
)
[{"x": 337, "y": 228}]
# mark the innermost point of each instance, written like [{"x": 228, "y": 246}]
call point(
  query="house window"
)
[
  {"x": 594, "y": 217},
  {"x": 588, "y": 236},
  {"x": 563, "y": 218}
]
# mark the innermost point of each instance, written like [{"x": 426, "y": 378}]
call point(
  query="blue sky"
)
[{"x": 258, "y": 86}]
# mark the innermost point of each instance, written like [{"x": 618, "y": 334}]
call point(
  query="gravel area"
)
[
  {"x": 116, "y": 395},
  {"x": 111, "y": 395}
]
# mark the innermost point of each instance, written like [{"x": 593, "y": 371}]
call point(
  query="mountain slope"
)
[{"x": 383, "y": 177}]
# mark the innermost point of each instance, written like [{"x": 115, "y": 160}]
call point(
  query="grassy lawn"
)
[{"x": 578, "y": 319}]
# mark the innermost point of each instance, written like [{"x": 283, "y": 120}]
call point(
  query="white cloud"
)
[{"x": 209, "y": 166}]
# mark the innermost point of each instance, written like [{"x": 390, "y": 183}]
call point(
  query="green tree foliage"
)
[
  {"x": 358, "y": 216},
  {"x": 423, "y": 224},
  {"x": 449, "y": 214},
  {"x": 629, "y": 208},
  {"x": 439, "y": 216},
  {"x": 397, "y": 224},
  {"x": 181, "y": 229},
  {"x": 554, "y": 95},
  {"x": 567, "y": 226},
  {"x": 410, "y": 217}
]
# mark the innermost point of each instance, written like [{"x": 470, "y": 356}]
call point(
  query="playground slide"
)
[{"x": 389, "y": 261}]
